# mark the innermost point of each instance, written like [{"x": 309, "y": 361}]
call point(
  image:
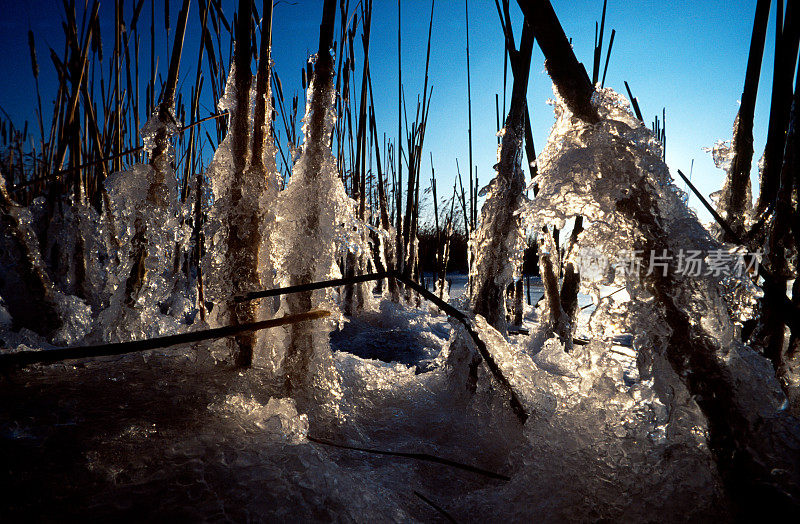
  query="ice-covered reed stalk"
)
[
  {"x": 241, "y": 250},
  {"x": 25, "y": 286},
  {"x": 244, "y": 183},
  {"x": 602, "y": 163},
  {"x": 160, "y": 194},
  {"x": 27, "y": 289},
  {"x": 261, "y": 176},
  {"x": 735, "y": 201},
  {"x": 498, "y": 242},
  {"x": 613, "y": 174},
  {"x": 777, "y": 208},
  {"x": 783, "y": 262},
  {"x": 312, "y": 212}
]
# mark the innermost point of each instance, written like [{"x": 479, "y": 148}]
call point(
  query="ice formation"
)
[
  {"x": 148, "y": 227},
  {"x": 606, "y": 439},
  {"x": 241, "y": 217},
  {"x": 315, "y": 226},
  {"x": 619, "y": 428},
  {"x": 612, "y": 174},
  {"x": 499, "y": 240},
  {"x": 735, "y": 210},
  {"x": 595, "y": 172},
  {"x": 45, "y": 314}
]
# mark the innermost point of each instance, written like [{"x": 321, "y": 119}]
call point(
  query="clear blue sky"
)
[{"x": 687, "y": 56}]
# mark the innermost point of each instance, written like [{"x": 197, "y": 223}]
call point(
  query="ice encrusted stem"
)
[
  {"x": 160, "y": 160},
  {"x": 613, "y": 173},
  {"x": 24, "y": 285},
  {"x": 316, "y": 149},
  {"x": 240, "y": 244},
  {"x": 499, "y": 239},
  {"x": 781, "y": 257},
  {"x": 735, "y": 202},
  {"x": 751, "y": 442}
]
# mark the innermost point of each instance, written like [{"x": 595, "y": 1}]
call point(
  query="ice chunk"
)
[
  {"x": 722, "y": 154},
  {"x": 278, "y": 417}
]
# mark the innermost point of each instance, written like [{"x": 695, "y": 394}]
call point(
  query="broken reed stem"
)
[
  {"x": 598, "y": 48},
  {"x": 435, "y": 506},
  {"x": 23, "y": 358},
  {"x": 608, "y": 57},
  {"x": 418, "y": 456},
  {"x": 567, "y": 73},
  {"x": 634, "y": 103}
]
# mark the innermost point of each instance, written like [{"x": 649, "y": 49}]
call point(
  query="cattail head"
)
[
  {"x": 280, "y": 87},
  {"x": 34, "y": 62}
]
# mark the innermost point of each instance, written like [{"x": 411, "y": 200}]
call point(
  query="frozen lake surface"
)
[{"x": 170, "y": 435}]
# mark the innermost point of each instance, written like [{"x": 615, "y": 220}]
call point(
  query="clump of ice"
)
[
  {"x": 553, "y": 358},
  {"x": 80, "y": 248},
  {"x": 5, "y": 316},
  {"x": 738, "y": 217},
  {"x": 591, "y": 171},
  {"x": 140, "y": 216},
  {"x": 19, "y": 247},
  {"x": 77, "y": 319},
  {"x": 722, "y": 154},
  {"x": 243, "y": 201},
  {"x": 278, "y": 417},
  {"x": 612, "y": 173},
  {"x": 159, "y": 122}
]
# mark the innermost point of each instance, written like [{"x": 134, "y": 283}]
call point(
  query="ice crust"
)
[
  {"x": 194, "y": 439},
  {"x": 498, "y": 241},
  {"x": 594, "y": 171},
  {"x": 587, "y": 171}
]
